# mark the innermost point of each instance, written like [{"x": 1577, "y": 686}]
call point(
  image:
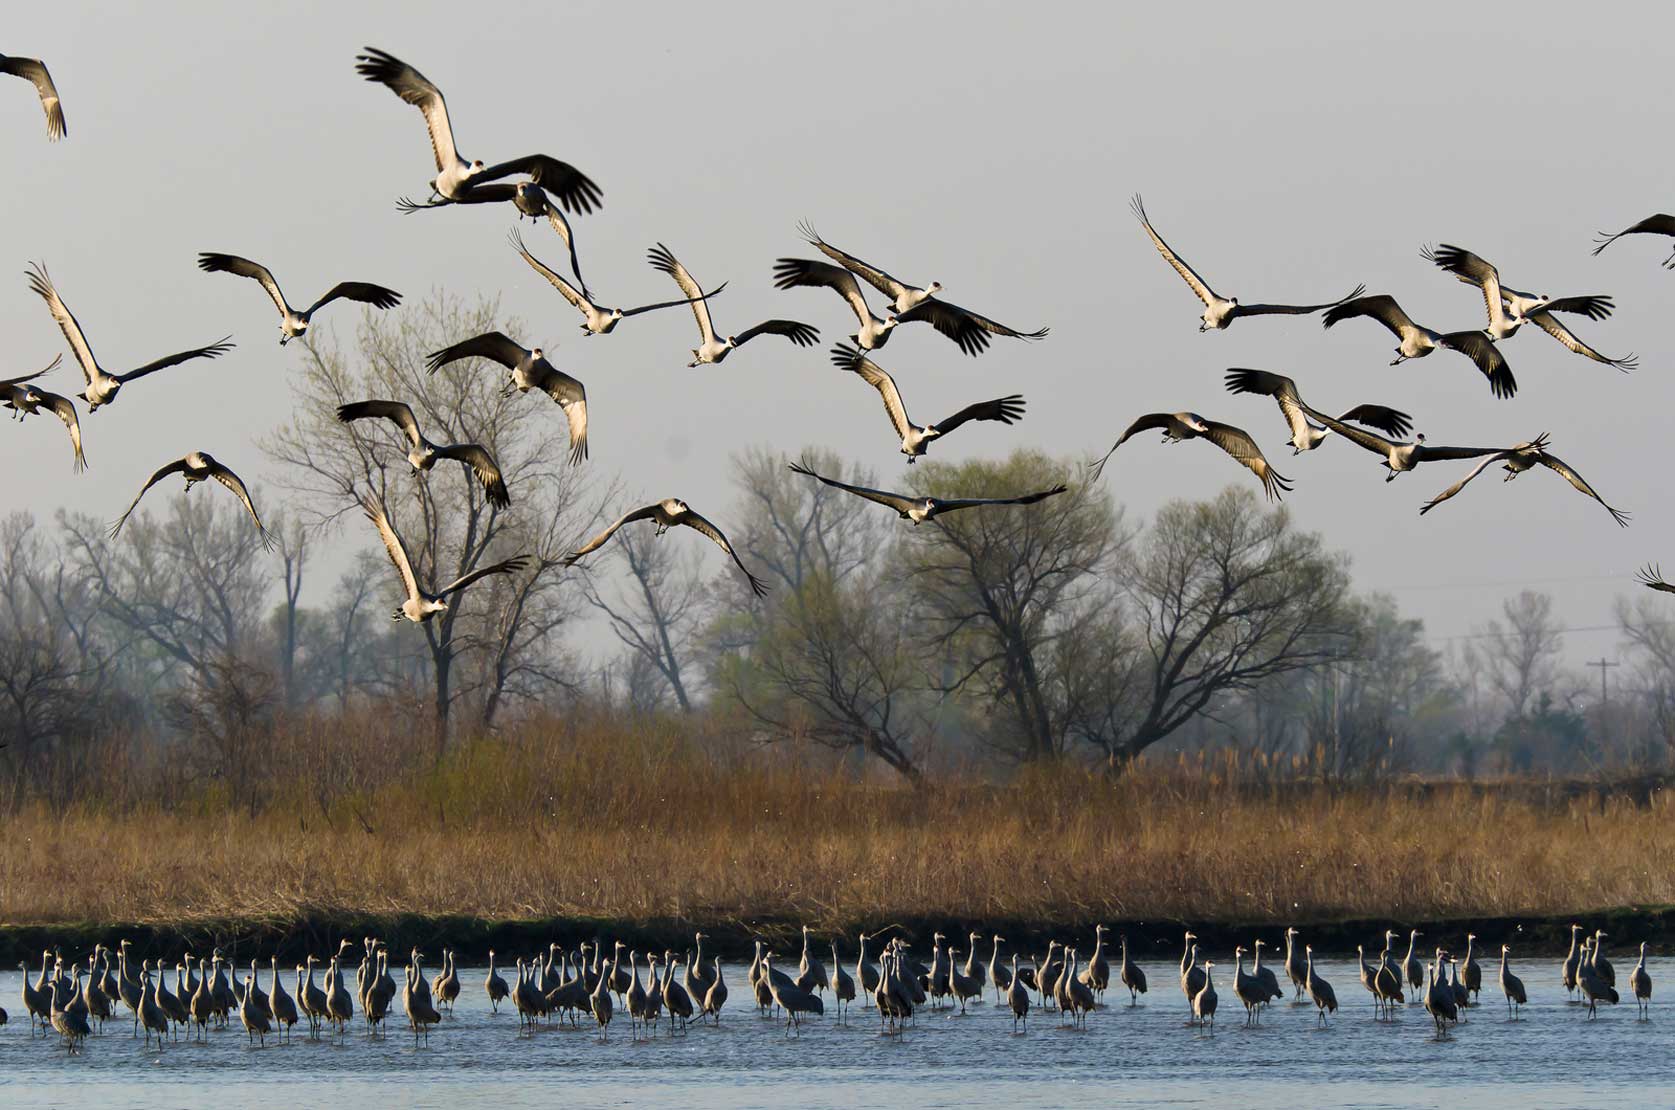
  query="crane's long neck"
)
[{"x": 1411, "y": 937}]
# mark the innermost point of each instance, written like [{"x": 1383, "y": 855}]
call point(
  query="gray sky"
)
[{"x": 990, "y": 146}]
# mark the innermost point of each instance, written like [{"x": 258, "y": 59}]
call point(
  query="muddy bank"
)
[{"x": 1149, "y": 941}]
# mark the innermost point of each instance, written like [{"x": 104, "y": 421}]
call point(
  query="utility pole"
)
[{"x": 1602, "y": 664}]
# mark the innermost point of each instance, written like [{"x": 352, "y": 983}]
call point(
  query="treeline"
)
[{"x": 182, "y": 654}]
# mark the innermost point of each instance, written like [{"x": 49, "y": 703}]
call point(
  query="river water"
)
[{"x": 1554, "y": 1056}]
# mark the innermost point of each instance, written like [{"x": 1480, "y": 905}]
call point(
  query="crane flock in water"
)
[{"x": 595, "y": 983}]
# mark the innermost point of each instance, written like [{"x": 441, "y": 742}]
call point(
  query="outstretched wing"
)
[
  {"x": 1237, "y": 442},
  {"x": 1562, "y": 469},
  {"x": 213, "y": 263},
  {"x": 661, "y": 258},
  {"x": 176, "y": 467},
  {"x": 702, "y": 526},
  {"x": 364, "y": 291},
  {"x": 1545, "y": 320},
  {"x": 895, "y": 501},
  {"x": 792, "y": 273},
  {"x": 41, "y": 282},
  {"x": 65, "y": 410},
  {"x": 1296, "y": 309},
  {"x": 976, "y": 502},
  {"x": 47, "y": 369},
  {"x": 505, "y": 566},
  {"x": 1653, "y": 577},
  {"x": 1593, "y": 306},
  {"x": 226, "y": 477},
  {"x": 1381, "y": 307},
  {"x": 1188, "y": 274},
  {"x": 1387, "y": 420},
  {"x": 483, "y": 465},
  {"x": 571, "y": 396},
  {"x": 803, "y": 335},
  {"x": 491, "y": 345},
  {"x": 1281, "y": 388},
  {"x": 392, "y": 546},
  {"x": 416, "y": 89},
  {"x": 867, "y": 272},
  {"x": 644, "y": 512},
  {"x": 1471, "y": 269},
  {"x": 33, "y": 71},
  {"x": 1161, "y": 420},
  {"x": 1478, "y": 347},
  {"x": 966, "y": 328},
  {"x": 1660, "y": 224},
  {"x": 701, "y": 297},
  {"x": 1003, "y": 409},
  {"x": 397, "y": 412},
  {"x": 1488, "y": 461},
  {"x": 568, "y": 291},
  {"x": 846, "y": 357},
  {"x": 1377, "y": 444},
  {"x": 214, "y": 350},
  {"x": 573, "y": 188}
]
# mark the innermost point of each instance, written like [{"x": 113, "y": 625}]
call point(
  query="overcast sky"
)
[{"x": 991, "y": 146}]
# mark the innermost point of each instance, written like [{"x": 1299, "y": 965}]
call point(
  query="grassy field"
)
[{"x": 594, "y": 821}]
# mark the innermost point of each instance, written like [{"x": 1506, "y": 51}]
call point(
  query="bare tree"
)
[
  {"x": 1000, "y": 587},
  {"x": 1522, "y": 657},
  {"x": 1650, "y": 636},
  {"x": 499, "y": 642},
  {"x": 293, "y": 552},
  {"x": 1226, "y": 595},
  {"x": 790, "y": 528},
  {"x": 655, "y": 611}
]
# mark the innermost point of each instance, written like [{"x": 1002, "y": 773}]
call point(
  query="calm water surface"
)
[{"x": 1145, "y": 1055}]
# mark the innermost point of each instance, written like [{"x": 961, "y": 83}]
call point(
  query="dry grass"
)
[{"x": 590, "y": 819}]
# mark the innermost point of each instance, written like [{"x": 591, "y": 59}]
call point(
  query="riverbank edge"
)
[{"x": 1150, "y": 941}]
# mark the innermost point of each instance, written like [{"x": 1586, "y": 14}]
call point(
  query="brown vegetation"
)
[{"x": 600, "y": 816}]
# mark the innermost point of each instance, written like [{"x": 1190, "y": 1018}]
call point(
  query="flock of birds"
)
[
  {"x": 540, "y": 186},
  {"x": 590, "y": 983}
]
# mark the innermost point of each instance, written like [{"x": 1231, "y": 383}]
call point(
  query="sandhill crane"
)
[
  {"x": 1305, "y": 435},
  {"x": 936, "y": 982},
  {"x": 1047, "y": 972},
  {"x": 530, "y": 370},
  {"x": 1369, "y": 980},
  {"x": 677, "y": 1000},
  {"x": 456, "y": 179},
  {"x": 669, "y": 513},
  {"x": 1295, "y": 965},
  {"x": 220, "y": 994},
  {"x": 422, "y": 453},
  {"x": 445, "y": 988},
  {"x": 916, "y": 439},
  {"x": 294, "y": 322},
  {"x": 961, "y": 986},
  {"x": 1386, "y": 978},
  {"x": 70, "y": 1025},
  {"x": 699, "y": 974},
  {"x": 1511, "y": 986},
  {"x": 843, "y": 985},
  {"x": 36, "y": 1003},
  {"x": 1659, "y": 224},
  {"x": 1192, "y": 976},
  {"x": 635, "y": 997},
  {"x": 127, "y": 987},
  {"x": 1595, "y": 988},
  {"x": 597, "y": 319},
  {"x": 1131, "y": 975},
  {"x": 1640, "y": 981},
  {"x": 1462, "y": 997},
  {"x": 1097, "y": 974},
  {"x": 1325, "y": 998},
  {"x": 811, "y": 974},
  {"x": 1189, "y": 425},
  {"x": 789, "y": 997},
  {"x": 1017, "y": 997},
  {"x": 102, "y": 387},
  {"x": 1417, "y": 341},
  {"x": 527, "y": 197},
  {"x": 1400, "y": 456},
  {"x": 251, "y": 1014},
  {"x": 1439, "y": 1000},
  {"x": 1509, "y": 308},
  {"x": 1220, "y": 312},
  {"x": 1204, "y": 1001},
  {"x": 420, "y": 605},
  {"x": 202, "y": 1003},
  {"x": 1249, "y": 990},
  {"x": 712, "y": 350},
  {"x": 33, "y": 71},
  {"x": 1519, "y": 459},
  {"x": 969, "y": 330},
  {"x": 416, "y": 1000},
  {"x": 1473, "y": 974},
  {"x": 174, "y": 1010},
  {"x": 1567, "y": 971},
  {"x": 198, "y": 466},
  {"x": 793, "y": 273},
  {"x": 494, "y": 986},
  {"x": 921, "y": 509},
  {"x": 1413, "y": 968},
  {"x": 311, "y": 1000},
  {"x": 999, "y": 976},
  {"x": 617, "y": 977},
  {"x": 716, "y": 997},
  {"x": 897, "y": 993},
  {"x": 28, "y": 400},
  {"x": 1265, "y": 975},
  {"x": 99, "y": 1006},
  {"x": 867, "y": 973},
  {"x": 339, "y": 1007},
  {"x": 523, "y": 996},
  {"x": 1600, "y": 964},
  {"x": 1077, "y": 994},
  {"x": 599, "y": 1003}
]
